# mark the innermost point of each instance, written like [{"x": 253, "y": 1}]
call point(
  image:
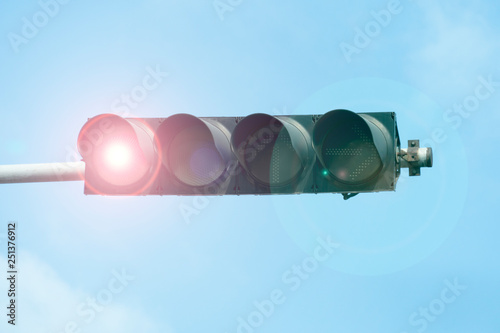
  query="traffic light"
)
[{"x": 337, "y": 152}]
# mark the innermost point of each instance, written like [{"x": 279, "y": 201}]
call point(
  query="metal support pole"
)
[{"x": 47, "y": 172}]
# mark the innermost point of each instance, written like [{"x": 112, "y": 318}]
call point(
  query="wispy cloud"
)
[{"x": 48, "y": 304}]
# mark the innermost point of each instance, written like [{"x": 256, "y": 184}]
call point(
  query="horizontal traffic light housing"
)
[{"x": 337, "y": 152}]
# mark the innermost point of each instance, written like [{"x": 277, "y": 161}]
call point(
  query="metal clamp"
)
[{"x": 415, "y": 157}]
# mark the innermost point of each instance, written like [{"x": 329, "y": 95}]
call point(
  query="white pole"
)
[{"x": 47, "y": 172}]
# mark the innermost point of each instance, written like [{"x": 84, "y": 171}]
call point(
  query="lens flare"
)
[{"x": 118, "y": 156}]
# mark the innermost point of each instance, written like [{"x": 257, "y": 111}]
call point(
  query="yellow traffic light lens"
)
[
  {"x": 195, "y": 152},
  {"x": 194, "y": 159}
]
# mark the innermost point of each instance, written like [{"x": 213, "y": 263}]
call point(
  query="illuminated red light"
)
[
  {"x": 120, "y": 153},
  {"x": 118, "y": 156}
]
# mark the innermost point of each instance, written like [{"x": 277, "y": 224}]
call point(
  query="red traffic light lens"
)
[{"x": 120, "y": 154}]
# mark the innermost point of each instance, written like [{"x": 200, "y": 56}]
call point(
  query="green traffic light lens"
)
[{"x": 346, "y": 147}]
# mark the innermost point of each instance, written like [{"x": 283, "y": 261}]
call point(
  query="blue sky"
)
[{"x": 421, "y": 259}]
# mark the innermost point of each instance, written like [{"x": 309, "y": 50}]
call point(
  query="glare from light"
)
[{"x": 118, "y": 156}]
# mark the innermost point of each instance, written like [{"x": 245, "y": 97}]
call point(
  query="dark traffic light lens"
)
[
  {"x": 346, "y": 145},
  {"x": 350, "y": 155},
  {"x": 195, "y": 152},
  {"x": 272, "y": 152},
  {"x": 194, "y": 159}
]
